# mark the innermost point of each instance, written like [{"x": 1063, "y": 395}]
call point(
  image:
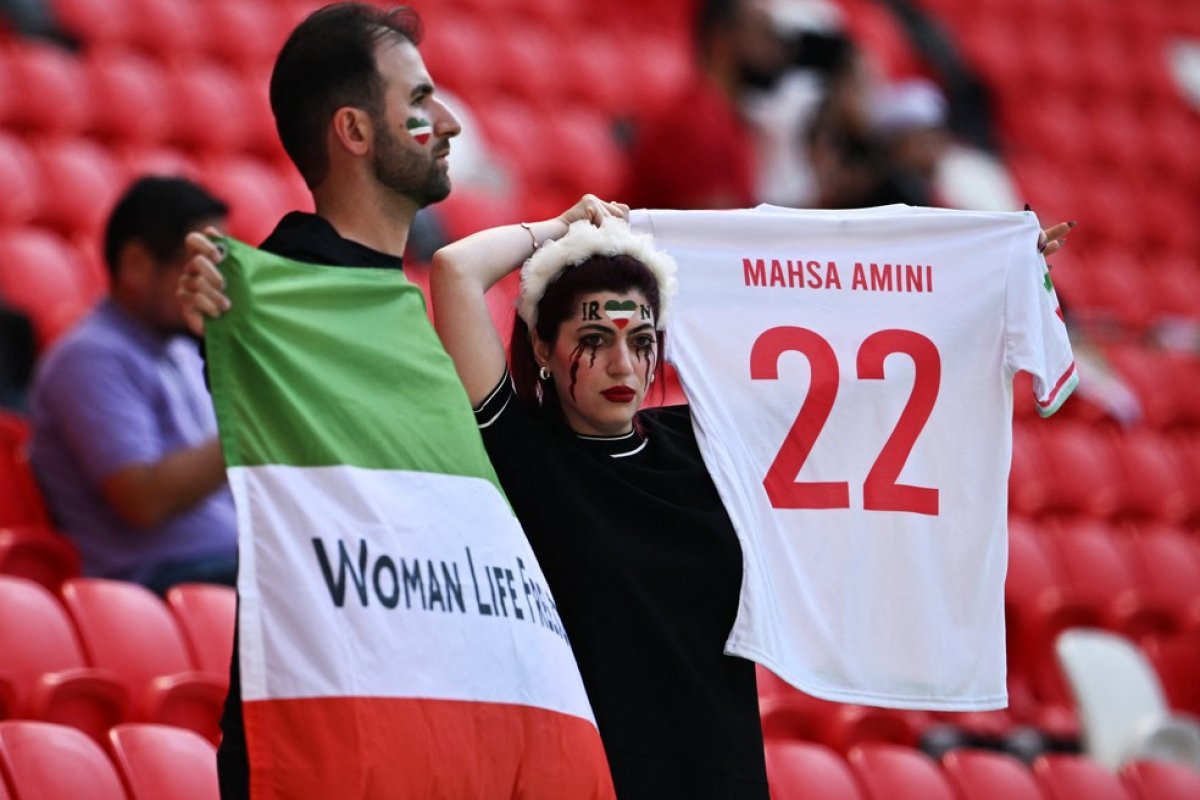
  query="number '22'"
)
[{"x": 881, "y": 492}]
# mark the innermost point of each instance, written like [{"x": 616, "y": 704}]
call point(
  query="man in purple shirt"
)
[{"x": 124, "y": 441}]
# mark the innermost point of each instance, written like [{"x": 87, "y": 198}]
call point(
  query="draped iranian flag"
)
[{"x": 397, "y": 637}]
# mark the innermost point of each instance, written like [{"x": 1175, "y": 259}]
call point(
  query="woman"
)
[
  {"x": 641, "y": 557},
  {"x": 629, "y": 529}
]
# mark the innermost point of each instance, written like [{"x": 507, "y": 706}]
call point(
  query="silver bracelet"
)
[{"x": 533, "y": 238}]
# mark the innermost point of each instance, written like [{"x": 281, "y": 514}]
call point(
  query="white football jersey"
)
[{"x": 850, "y": 379}]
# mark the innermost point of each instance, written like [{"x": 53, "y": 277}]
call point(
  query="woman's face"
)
[{"x": 602, "y": 361}]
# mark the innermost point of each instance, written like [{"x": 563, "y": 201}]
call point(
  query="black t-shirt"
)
[
  {"x": 646, "y": 569},
  {"x": 311, "y": 239}
]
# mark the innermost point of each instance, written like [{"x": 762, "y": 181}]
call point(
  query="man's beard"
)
[{"x": 410, "y": 173}]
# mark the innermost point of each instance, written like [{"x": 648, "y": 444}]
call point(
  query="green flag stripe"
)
[{"x": 316, "y": 366}]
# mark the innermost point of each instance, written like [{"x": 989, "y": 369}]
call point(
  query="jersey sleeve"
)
[{"x": 1036, "y": 338}]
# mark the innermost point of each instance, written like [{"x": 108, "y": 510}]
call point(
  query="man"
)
[
  {"x": 358, "y": 115},
  {"x": 698, "y": 151},
  {"x": 124, "y": 441}
]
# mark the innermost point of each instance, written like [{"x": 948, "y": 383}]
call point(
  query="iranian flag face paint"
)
[
  {"x": 419, "y": 129},
  {"x": 620, "y": 313}
]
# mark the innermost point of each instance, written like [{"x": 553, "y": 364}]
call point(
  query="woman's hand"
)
[
  {"x": 1053, "y": 239},
  {"x": 201, "y": 287},
  {"x": 594, "y": 210}
]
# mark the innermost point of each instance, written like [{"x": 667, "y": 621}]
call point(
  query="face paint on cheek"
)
[
  {"x": 647, "y": 353},
  {"x": 419, "y": 129},
  {"x": 577, "y": 354}
]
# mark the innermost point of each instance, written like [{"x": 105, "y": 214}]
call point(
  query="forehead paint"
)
[
  {"x": 589, "y": 310},
  {"x": 646, "y": 312},
  {"x": 419, "y": 129},
  {"x": 620, "y": 312}
]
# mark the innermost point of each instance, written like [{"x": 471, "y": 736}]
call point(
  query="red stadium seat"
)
[
  {"x": 254, "y": 192},
  {"x": 131, "y": 99},
  {"x": 206, "y": 614},
  {"x": 39, "y": 652},
  {"x": 1039, "y": 604},
  {"x": 985, "y": 775},
  {"x": 169, "y": 30},
  {"x": 1153, "y": 488},
  {"x": 798, "y": 770},
  {"x": 600, "y": 172},
  {"x": 41, "y": 275},
  {"x": 19, "y": 503},
  {"x": 1145, "y": 370},
  {"x": 1079, "y": 469},
  {"x": 137, "y": 160},
  {"x": 1176, "y": 660},
  {"x": 527, "y": 66},
  {"x": 1096, "y": 560},
  {"x": 99, "y": 24},
  {"x": 39, "y": 555},
  {"x": 159, "y": 762},
  {"x": 128, "y": 630},
  {"x": 457, "y": 52},
  {"x": 47, "y": 81},
  {"x": 1027, "y": 492},
  {"x": 43, "y": 761},
  {"x": 788, "y": 714},
  {"x": 211, "y": 108},
  {"x": 80, "y": 184},
  {"x": 1161, "y": 780},
  {"x": 22, "y": 195},
  {"x": 244, "y": 33},
  {"x": 1072, "y": 777},
  {"x": 594, "y": 71},
  {"x": 893, "y": 772},
  {"x": 1166, "y": 561}
]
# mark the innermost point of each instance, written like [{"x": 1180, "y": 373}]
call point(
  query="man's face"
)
[
  {"x": 412, "y": 135},
  {"x": 761, "y": 52}
]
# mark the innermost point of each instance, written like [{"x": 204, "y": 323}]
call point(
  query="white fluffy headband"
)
[{"x": 582, "y": 241}]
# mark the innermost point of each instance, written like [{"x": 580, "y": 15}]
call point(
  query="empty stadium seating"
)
[
  {"x": 52, "y": 680},
  {"x": 1074, "y": 777},
  {"x": 798, "y": 770},
  {"x": 206, "y": 615},
  {"x": 1160, "y": 780},
  {"x": 984, "y": 775},
  {"x": 129, "y": 631},
  {"x": 159, "y": 762},
  {"x": 44, "y": 761},
  {"x": 39, "y": 554},
  {"x": 895, "y": 772}
]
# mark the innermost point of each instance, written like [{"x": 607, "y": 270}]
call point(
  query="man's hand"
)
[{"x": 201, "y": 290}]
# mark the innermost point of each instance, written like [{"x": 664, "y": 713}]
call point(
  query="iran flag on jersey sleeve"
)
[{"x": 397, "y": 637}]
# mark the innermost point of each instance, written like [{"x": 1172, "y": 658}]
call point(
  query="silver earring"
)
[{"x": 544, "y": 373}]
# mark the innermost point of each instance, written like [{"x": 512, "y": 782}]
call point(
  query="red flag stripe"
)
[{"x": 346, "y": 747}]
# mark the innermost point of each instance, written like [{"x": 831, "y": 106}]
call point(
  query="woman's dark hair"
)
[
  {"x": 598, "y": 274},
  {"x": 326, "y": 63}
]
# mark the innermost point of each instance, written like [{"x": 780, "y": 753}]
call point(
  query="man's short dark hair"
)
[
  {"x": 159, "y": 212},
  {"x": 328, "y": 62}
]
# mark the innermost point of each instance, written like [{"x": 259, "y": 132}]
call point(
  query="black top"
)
[
  {"x": 311, "y": 239},
  {"x": 646, "y": 570}
]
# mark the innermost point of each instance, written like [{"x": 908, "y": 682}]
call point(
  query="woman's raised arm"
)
[{"x": 464, "y": 270}]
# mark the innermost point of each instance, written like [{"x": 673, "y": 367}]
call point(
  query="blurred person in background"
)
[
  {"x": 124, "y": 437},
  {"x": 699, "y": 150}
]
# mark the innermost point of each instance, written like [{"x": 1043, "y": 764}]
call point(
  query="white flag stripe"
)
[{"x": 453, "y": 532}]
